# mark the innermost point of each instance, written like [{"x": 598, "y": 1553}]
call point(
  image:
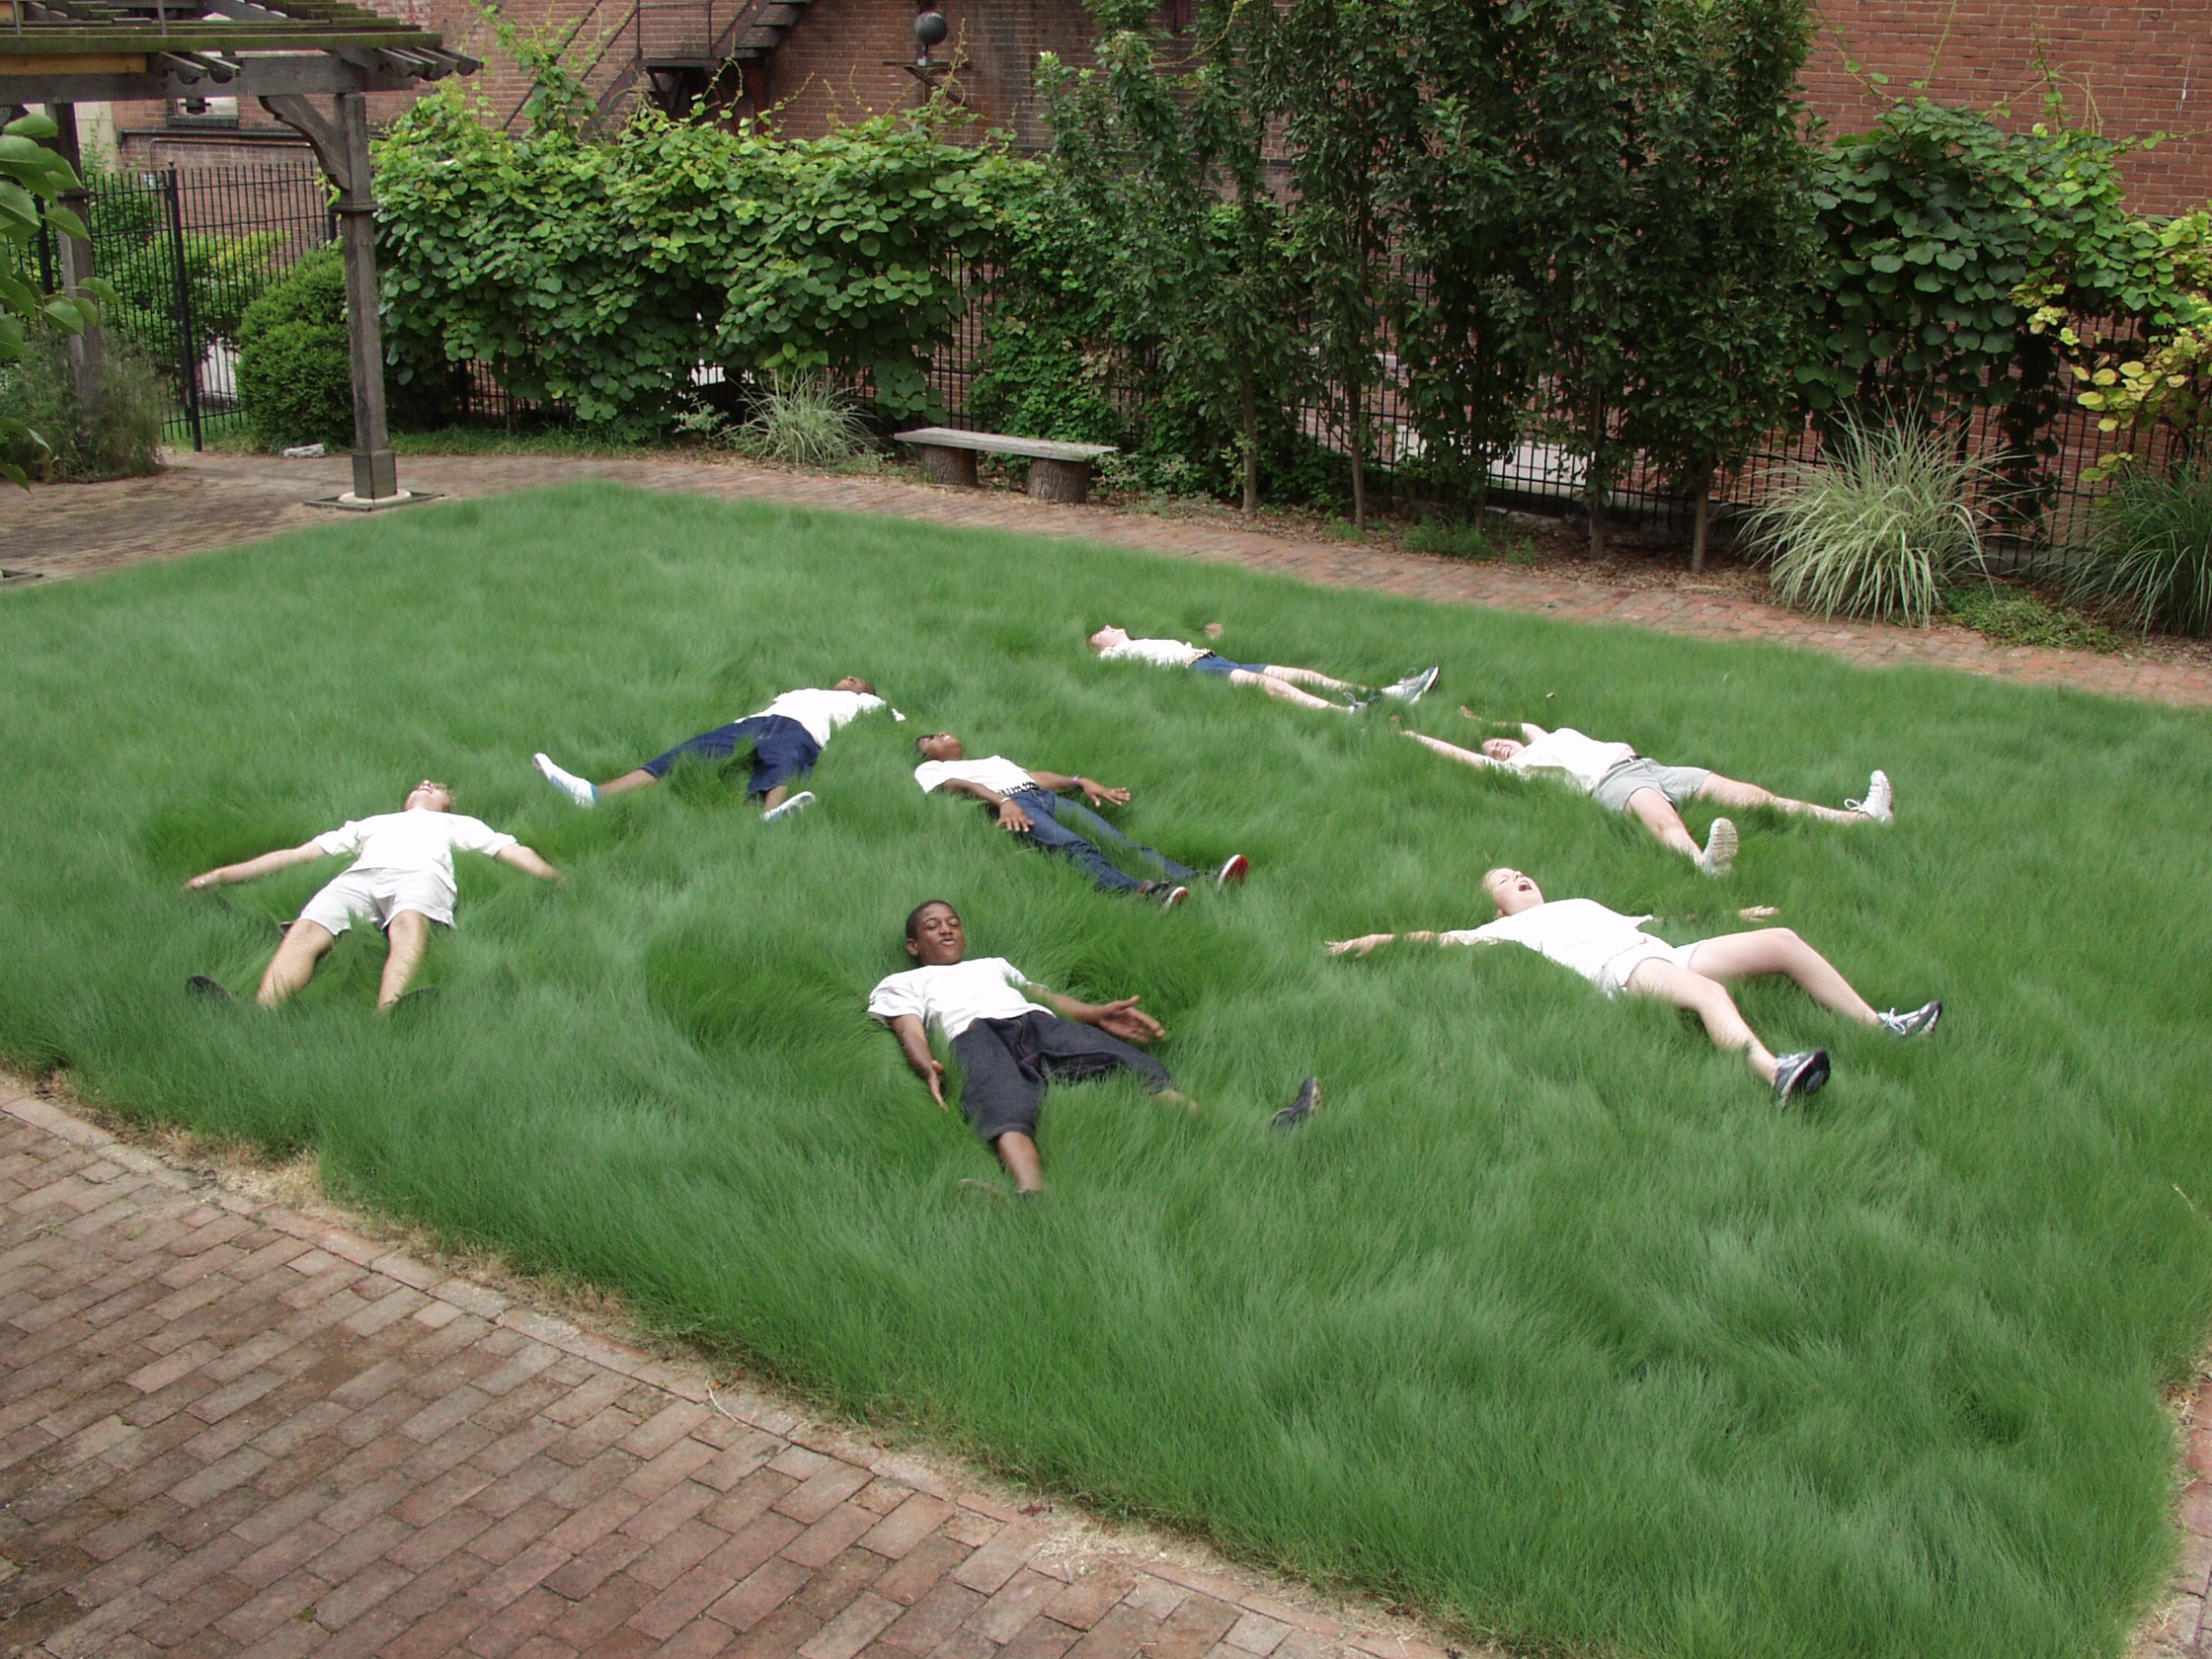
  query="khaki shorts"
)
[
  {"x": 377, "y": 896},
  {"x": 1613, "y": 977},
  {"x": 1677, "y": 783}
]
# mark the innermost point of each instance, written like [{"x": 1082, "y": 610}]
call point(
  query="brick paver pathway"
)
[
  {"x": 227, "y": 1427},
  {"x": 212, "y": 501}
]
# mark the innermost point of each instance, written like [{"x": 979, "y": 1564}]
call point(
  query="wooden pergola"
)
[{"x": 310, "y": 62}]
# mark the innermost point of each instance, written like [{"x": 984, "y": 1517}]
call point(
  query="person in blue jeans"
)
[
  {"x": 1031, "y": 804},
  {"x": 786, "y": 738}
]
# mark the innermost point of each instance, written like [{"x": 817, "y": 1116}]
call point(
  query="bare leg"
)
[
  {"x": 1309, "y": 677},
  {"x": 1731, "y": 793},
  {"x": 1450, "y": 751},
  {"x": 405, "y": 940},
  {"x": 295, "y": 962},
  {"x": 1710, "y": 1000},
  {"x": 1175, "y": 1097},
  {"x": 1018, "y": 1152},
  {"x": 1283, "y": 690},
  {"x": 639, "y": 779},
  {"x": 1652, "y": 809},
  {"x": 774, "y": 797},
  {"x": 1779, "y": 950}
]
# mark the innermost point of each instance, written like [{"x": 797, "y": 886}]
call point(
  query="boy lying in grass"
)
[
  {"x": 402, "y": 880},
  {"x": 787, "y": 739},
  {"x": 1615, "y": 775},
  {"x": 1029, "y": 804},
  {"x": 1114, "y": 645},
  {"x": 1614, "y": 952},
  {"x": 1009, "y": 1048}
]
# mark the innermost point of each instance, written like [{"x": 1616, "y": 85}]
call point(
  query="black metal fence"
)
[
  {"x": 1543, "y": 472},
  {"x": 187, "y": 250}
]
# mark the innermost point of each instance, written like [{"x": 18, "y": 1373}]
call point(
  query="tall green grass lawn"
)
[{"x": 1551, "y": 1325}]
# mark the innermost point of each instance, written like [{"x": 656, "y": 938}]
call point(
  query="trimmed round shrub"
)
[{"x": 295, "y": 377}]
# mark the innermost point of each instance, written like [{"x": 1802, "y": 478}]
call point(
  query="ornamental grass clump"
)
[
  {"x": 2149, "y": 558},
  {"x": 806, "y": 420},
  {"x": 1878, "y": 527}
]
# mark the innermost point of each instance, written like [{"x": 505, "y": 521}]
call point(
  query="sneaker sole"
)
[
  {"x": 1234, "y": 871},
  {"x": 797, "y": 803}
]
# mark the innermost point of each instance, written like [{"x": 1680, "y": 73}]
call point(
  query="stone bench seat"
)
[{"x": 1056, "y": 471}]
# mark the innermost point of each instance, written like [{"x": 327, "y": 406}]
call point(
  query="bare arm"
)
[
  {"x": 1121, "y": 1018},
  {"x": 1452, "y": 752},
  {"x": 914, "y": 1040},
  {"x": 1099, "y": 794},
  {"x": 267, "y": 864},
  {"x": 523, "y": 859},
  {"x": 1010, "y": 815},
  {"x": 1368, "y": 941}
]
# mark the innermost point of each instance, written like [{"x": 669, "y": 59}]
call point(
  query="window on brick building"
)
[
  {"x": 1179, "y": 17},
  {"x": 203, "y": 112}
]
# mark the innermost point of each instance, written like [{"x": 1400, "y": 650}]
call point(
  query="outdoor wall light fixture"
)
[{"x": 931, "y": 30}]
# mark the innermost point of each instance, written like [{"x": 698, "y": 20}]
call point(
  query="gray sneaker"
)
[
  {"x": 1799, "y": 1075},
  {"x": 1720, "y": 856},
  {"x": 798, "y": 803},
  {"x": 1414, "y": 686},
  {"x": 1302, "y": 1109},
  {"x": 1917, "y": 1022}
]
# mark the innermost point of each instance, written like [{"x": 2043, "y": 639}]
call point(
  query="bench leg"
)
[
  {"x": 1060, "y": 481},
  {"x": 948, "y": 466}
]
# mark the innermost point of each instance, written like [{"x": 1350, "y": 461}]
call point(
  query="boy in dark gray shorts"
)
[
  {"x": 1009, "y": 1048},
  {"x": 1616, "y": 776}
]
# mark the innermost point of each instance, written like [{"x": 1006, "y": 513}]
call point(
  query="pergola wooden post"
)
[
  {"x": 61, "y": 52},
  {"x": 342, "y": 143},
  {"x": 86, "y": 352}
]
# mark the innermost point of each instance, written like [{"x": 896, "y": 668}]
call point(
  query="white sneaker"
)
[
  {"x": 792, "y": 804},
  {"x": 566, "y": 782},
  {"x": 1880, "y": 804},
  {"x": 1720, "y": 848},
  {"x": 1913, "y": 1022}
]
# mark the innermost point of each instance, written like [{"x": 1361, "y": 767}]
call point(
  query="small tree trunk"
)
[
  {"x": 1703, "y": 520},
  {"x": 1595, "y": 482},
  {"x": 1251, "y": 445},
  {"x": 1359, "y": 459}
]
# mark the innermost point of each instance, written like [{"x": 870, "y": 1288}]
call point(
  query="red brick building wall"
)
[
  {"x": 2129, "y": 68},
  {"x": 2132, "y": 68}
]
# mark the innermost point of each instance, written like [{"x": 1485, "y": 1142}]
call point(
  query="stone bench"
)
[{"x": 1056, "y": 471}]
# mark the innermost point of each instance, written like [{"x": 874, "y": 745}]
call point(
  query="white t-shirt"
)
[
  {"x": 1577, "y": 933},
  {"x": 418, "y": 842},
  {"x": 1164, "y": 654},
  {"x": 952, "y": 996},
  {"x": 823, "y": 712},
  {"x": 1569, "y": 751},
  {"x": 994, "y": 772}
]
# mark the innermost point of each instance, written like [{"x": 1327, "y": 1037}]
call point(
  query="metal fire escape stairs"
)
[{"x": 672, "y": 52}]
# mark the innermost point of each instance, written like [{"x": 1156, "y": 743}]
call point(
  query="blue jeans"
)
[{"x": 1054, "y": 821}]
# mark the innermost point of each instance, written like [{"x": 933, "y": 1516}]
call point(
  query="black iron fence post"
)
[{"x": 187, "y": 335}]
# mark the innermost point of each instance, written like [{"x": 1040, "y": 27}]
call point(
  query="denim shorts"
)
[{"x": 1216, "y": 663}]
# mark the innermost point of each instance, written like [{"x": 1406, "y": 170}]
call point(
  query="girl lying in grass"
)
[{"x": 1614, "y": 952}]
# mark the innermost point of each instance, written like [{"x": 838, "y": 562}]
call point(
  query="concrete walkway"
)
[
  {"x": 203, "y": 501},
  {"x": 228, "y": 1427}
]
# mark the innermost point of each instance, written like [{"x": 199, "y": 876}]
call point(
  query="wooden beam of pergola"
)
[{"x": 291, "y": 55}]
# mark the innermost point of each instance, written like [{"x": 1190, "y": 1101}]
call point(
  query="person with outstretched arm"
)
[
  {"x": 1614, "y": 952},
  {"x": 1114, "y": 645},
  {"x": 787, "y": 739},
  {"x": 400, "y": 880},
  {"x": 1616, "y": 776},
  {"x": 1010, "y": 1048},
  {"x": 1029, "y": 804}
]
